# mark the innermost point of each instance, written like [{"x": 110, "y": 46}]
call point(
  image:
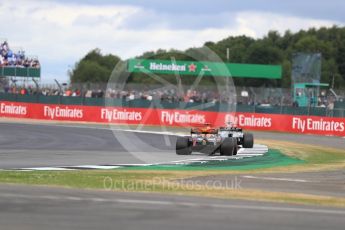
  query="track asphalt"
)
[
  {"x": 41, "y": 208},
  {"x": 32, "y": 145}
]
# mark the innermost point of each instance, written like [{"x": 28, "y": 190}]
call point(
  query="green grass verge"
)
[{"x": 158, "y": 181}]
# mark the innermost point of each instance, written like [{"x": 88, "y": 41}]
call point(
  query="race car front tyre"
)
[
  {"x": 248, "y": 140},
  {"x": 183, "y": 146},
  {"x": 228, "y": 146}
]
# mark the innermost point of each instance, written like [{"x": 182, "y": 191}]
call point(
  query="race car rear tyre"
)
[
  {"x": 235, "y": 149},
  {"x": 183, "y": 146},
  {"x": 248, "y": 140},
  {"x": 228, "y": 146}
]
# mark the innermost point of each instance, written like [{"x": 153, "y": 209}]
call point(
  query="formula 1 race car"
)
[{"x": 225, "y": 140}]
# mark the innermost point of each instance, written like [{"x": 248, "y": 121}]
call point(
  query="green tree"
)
[
  {"x": 311, "y": 44},
  {"x": 89, "y": 71},
  {"x": 273, "y": 48},
  {"x": 260, "y": 53},
  {"x": 94, "y": 67}
]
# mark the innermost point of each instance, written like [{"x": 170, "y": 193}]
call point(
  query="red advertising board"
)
[{"x": 171, "y": 117}]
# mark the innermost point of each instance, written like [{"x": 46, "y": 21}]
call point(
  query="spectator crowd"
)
[
  {"x": 277, "y": 97},
  {"x": 9, "y": 57}
]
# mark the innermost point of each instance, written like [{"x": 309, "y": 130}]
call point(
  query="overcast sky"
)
[{"x": 61, "y": 32}]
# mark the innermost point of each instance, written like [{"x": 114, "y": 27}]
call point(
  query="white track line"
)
[
  {"x": 94, "y": 166},
  {"x": 202, "y": 160},
  {"x": 43, "y": 169},
  {"x": 276, "y": 179}
]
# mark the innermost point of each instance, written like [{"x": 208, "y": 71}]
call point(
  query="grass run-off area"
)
[{"x": 168, "y": 180}]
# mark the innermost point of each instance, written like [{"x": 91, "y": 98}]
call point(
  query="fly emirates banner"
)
[{"x": 172, "y": 117}]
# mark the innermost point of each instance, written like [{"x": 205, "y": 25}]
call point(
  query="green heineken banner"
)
[{"x": 205, "y": 68}]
